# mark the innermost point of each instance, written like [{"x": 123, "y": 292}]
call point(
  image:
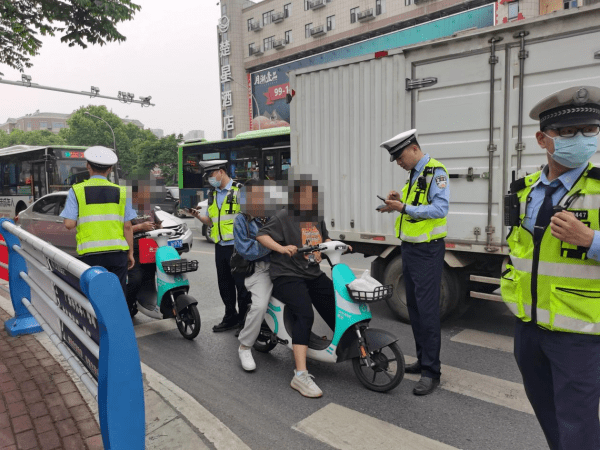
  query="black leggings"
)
[{"x": 300, "y": 294}]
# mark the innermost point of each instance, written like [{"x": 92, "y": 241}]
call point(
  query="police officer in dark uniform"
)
[
  {"x": 552, "y": 281},
  {"x": 421, "y": 226}
]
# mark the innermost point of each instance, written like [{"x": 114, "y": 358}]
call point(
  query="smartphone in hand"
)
[{"x": 381, "y": 198}]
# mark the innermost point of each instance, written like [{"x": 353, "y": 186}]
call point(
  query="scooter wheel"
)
[
  {"x": 387, "y": 371},
  {"x": 188, "y": 322}
]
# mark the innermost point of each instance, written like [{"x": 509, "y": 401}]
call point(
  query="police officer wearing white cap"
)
[
  {"x": 102, "y": 214},
  {"x": 421, "y": 226},
  {"x": 223, "y": 205},
  {"x": 552, "y": 281}
]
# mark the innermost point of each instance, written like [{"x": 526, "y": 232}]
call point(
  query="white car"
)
[
  {"x": 203, "y": 206},
  {"x": 42, "y": 219}
]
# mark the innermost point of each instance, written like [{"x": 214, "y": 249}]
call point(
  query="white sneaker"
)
[
  {"x": 306, "y": 386},
  {"x": 246, "y": 358}
]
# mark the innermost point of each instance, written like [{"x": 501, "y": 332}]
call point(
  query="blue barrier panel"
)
[
  {"x": 23, "y": 322},
  {"x": 119, "y": 389}
]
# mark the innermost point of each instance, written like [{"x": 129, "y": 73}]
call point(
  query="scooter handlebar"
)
[{"x": 309, "y": 249}]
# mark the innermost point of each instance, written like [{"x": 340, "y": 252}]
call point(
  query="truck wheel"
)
[{"x": 397, "y": 303}]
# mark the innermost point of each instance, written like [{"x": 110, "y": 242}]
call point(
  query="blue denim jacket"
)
[{"x": 247, "y": 245}]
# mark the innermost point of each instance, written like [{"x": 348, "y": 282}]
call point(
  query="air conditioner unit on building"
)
[
  {"x": 279, "y": 43},
  {"x": 277, "y": 17},
  {"x": 318, "y": 31},
  {"x": 256, "y": 26},
  {"x": 256, "y": 51},
  {"x": 366, "y": 15},
  {"x": 316, "y": 4}
]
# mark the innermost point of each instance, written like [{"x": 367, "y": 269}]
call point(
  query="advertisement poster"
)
[{"x": 268, "y": 108}]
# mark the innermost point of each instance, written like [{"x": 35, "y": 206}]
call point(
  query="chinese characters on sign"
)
[
  {"x": 226, "y": 97},
  {"x": 265, "y": 78}
]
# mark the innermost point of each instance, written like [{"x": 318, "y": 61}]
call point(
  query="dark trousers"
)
[
  {"x": 114, "y": 262},
  {"x": 300, "y": 294},
  {"x": 139, "y": 275},
  {"x": 561, "y": 374},
  {"x": 228, "y": 285},
  {"x": 422, "y": 266}
]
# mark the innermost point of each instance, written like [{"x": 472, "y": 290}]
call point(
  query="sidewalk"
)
[
  {"x": 43, "y": 405},
  {"x": 40, "y": 406}
]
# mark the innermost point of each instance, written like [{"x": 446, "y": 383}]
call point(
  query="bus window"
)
[
  {"x": 192, "y": 173},
  {"x": 285, "y": 162},
  {"x": 67, "y": 172}
]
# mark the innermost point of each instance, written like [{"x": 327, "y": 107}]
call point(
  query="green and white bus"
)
[{"x": 261, "y": 154}]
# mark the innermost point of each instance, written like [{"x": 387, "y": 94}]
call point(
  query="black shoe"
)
[
  {"x": 413, "y": 368},
  {"x": 426, "y": 385},
  {"x": 225, "y": 325}
]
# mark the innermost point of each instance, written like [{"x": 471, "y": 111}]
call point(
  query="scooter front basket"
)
[
  {"x": 380, "y": 293},
  {"x": 176, "y": 266}
]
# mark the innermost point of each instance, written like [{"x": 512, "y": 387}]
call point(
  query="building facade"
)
[
  {"x": 53, "y": 122},
  {"x": 260, "y": 42}
]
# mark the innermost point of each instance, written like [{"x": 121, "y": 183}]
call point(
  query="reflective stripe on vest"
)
[
  {"x": 101, "y": 216},
  {"x": 556, "y": 278},
  {"x": 223, "y": 218},
  {"x": 420, "y": 230}
]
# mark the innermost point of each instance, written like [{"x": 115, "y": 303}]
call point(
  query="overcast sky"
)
[{"x": 170, "y": 53}]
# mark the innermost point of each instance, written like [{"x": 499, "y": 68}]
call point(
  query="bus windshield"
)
[{"x": 261, "y": 155}]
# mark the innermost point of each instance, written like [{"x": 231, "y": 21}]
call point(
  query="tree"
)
[
  {"x": 161, "y": 153},
  {"x": 78, "y": 22},
  {"x": 19, "y": 137}
]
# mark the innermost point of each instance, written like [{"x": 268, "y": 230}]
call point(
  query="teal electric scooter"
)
[
  {"x": 168, "y": 296},
  {"x": 376, "y": 358}
]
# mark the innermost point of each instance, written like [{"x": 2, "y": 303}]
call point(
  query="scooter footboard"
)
[{"x": 375, "y": 339}]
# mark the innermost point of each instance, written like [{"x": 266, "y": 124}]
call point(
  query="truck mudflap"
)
[{"x": 375, "y": 339}]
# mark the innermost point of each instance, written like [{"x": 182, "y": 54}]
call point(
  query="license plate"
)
[{"x": 176, "y": 243}]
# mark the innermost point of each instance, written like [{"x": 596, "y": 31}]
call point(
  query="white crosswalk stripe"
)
[
  {"x": 335, "y": 425},
  {"x": 487, "y": 340}
]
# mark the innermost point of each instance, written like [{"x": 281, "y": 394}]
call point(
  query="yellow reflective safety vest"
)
[
  {"x": 101, "y": 216},
  {"x": 222, "y": 219},
  {"x": 416, "y": 194},
  {"x": 554, "y": 283}
]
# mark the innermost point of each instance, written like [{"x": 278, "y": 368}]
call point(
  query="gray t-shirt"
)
[{"x": 287, "y": 229}]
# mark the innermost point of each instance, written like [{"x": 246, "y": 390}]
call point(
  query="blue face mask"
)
[
  {"x": 214, "y": 182},
  {"x": 574, "y": 151}
]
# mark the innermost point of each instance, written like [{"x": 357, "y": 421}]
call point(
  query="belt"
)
[{"x": 433, "y": 241}]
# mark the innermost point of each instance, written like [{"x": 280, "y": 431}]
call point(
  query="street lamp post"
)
[{"x": 114, "y": 143}]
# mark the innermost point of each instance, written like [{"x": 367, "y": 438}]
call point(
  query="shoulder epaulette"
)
[{"x": 594, "y": 173}]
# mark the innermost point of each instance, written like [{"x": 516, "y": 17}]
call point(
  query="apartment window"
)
[
  {"x": 29, "y": 125},
  {"x": 354, "y": 13},
  {"x": 43, "y": 125},
  {"x": 288, "y": 37},
  {"x": 225, "y": 60},
  {"x": 223, "y": 10},
  {"x": 571, "y": 4},
  {"x": 268, "y": 43},
  {"x": 250, "y": 24},
  {"x": 307, "y": 29},
  {"x": 408, "y": 2},
  {"x": 267, "y": 18},
  {"x": 330, "y": 23},
  {"x": 287, "y": 10},
  {"x": 224, "y": 36},
  {"x": 250, "y": 48},
  {"x": 379, "y": 7},
  {"x": 513, "y": 10},
  {"x": 306, "y": 5},
  {"x": 58, "y": 125}
]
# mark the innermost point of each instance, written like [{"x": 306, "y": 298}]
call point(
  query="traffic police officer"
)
[
  {"x": 223, "y": 205},
  {"x": 102, "y": 214},
  {"x": 421, "y": 226},
  {"x": 552, "y": 281}
]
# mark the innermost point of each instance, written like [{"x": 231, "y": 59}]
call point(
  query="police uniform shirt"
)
[
  {"x": 71, "y": 210},
  {"x": 439, "y": 193},
  {"x": 536, "y": 196},
  {"x": 220, "y": 198}
]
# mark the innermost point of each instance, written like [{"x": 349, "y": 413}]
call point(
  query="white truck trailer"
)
[{"x": 469, "y": 97}]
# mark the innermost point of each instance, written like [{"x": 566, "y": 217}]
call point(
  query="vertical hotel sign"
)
[{"x": 226, "y": 96}]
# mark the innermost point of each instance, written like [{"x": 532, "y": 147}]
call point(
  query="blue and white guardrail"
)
[{"x": 83, "y": 310}]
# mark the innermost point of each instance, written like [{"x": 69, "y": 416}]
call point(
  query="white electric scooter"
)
[{"x": 376, "y": 358}]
